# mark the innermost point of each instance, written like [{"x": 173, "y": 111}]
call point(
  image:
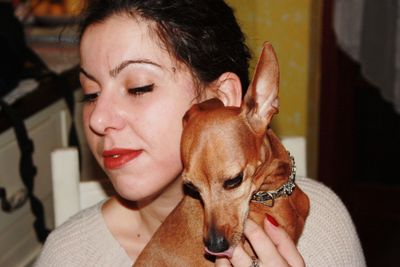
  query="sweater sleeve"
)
[{"x": 329, "y": 237}]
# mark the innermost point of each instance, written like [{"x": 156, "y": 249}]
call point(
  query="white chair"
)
[
  {"x": 70, "y": 194},
  {"x": 296, "y": 145}
]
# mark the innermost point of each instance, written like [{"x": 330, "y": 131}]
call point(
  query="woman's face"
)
[{"x": 136, "y": 96}]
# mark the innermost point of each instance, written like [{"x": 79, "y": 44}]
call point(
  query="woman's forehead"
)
[{"x": 123, "y": 38}]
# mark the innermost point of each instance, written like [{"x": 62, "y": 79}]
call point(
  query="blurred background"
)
[{"x": 339, "y": 96}]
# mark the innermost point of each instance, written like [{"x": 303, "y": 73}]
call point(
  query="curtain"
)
[{"x": 369, "y": 32}]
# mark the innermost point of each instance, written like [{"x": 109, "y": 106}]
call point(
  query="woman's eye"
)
[
  {"x": 234, "y": 182},
  {"x": 88, "y": 98},
  {"x": 137, "y": 91}
]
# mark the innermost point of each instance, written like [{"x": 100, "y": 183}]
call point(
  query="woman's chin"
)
[
  {"x": 145, "y": 188},
  {"x": 133, "y": 194},
  {"x": 137, "y": 192}
]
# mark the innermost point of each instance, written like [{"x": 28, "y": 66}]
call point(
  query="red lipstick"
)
[{"x": 116, "y": 158}]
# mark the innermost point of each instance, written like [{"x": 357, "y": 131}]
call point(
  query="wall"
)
[{"x": 293, "y": 27}]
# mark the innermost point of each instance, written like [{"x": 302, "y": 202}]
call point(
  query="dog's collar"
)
[{"x": 268, "y": 197}]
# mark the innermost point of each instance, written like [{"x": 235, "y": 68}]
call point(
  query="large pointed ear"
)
[{"x": 261, "y": 100}]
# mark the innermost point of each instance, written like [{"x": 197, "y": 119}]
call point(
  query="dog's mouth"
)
[{"x": 227, "y": 253}]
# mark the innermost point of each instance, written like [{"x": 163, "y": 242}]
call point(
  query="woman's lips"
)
[{"x": 116, "y": 158}]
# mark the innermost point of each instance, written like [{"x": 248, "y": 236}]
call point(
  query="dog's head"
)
[{"x": 223, "y": 148}]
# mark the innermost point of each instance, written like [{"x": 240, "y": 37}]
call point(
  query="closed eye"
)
[
  {"x": 137, "y": 91},
  {"x": 191, "y": 186},
  {"x": 234, "y": 182},
  {"x": 88, "y": 98}
]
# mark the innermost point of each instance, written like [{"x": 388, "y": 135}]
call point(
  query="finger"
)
[
  {"x": 284, "y": 244},
  {"x": 263, "y": 245},
  {"x": 222, "y": 262},
  {"x": 240, "y": 257}
]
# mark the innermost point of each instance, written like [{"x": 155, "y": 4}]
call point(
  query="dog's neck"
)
[
  {"x": 283, "y": 163},
  {"x": 268, "y": 197}
]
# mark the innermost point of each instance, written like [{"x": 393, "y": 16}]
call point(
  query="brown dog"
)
[{"x": 239, "y": 168}]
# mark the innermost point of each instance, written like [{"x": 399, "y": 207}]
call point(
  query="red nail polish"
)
[{"x": 272, "y": 220}]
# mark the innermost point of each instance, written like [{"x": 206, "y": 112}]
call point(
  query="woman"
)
[{"x": 143, "y": 64}]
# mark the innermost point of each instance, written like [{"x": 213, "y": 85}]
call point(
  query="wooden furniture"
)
[{"x": 47, "y": 129}]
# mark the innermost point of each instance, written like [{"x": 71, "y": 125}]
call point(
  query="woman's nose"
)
[{"x": 106, "y": 115}]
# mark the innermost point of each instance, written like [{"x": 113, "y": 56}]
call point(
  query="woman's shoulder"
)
[
  {"x": 319, "y": 193},
  {"x": 82, "y": 240},
  {"x": 91, "y": 215},
  {"x": 329, "y": 237},
  {"x": 82, "y": 225}
]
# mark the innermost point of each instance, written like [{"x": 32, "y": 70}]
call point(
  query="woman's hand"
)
[{"x": 272, "y": 245}]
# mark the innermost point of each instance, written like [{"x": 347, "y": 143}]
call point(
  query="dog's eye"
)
[
  {"x": 191, "y": 186},
  {"x": 234, "y": 182}
]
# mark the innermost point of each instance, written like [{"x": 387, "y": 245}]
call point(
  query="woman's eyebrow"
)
[
  {"x": 114, "y": 72},
  {"x": 84, "y": 72}
]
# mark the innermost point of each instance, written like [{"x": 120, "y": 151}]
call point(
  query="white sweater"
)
[{"x": 329, "y": 237}]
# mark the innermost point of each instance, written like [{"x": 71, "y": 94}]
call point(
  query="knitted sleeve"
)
[{"x": 329, "y": 237}]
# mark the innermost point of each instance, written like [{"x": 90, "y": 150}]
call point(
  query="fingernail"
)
[{"x": 272, "y": 220}]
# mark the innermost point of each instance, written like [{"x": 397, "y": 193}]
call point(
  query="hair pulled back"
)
[{"x": 203, "y": 34}]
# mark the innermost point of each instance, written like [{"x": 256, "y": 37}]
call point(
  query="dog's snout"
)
[{"x": 216, "y": 242}]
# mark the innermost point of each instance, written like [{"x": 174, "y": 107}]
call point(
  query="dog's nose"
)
[{"x": 216, "y": 242}]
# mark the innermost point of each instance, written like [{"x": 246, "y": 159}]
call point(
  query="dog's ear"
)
[
  {"x": 261, "y": 100},
  {"x": 209, "y": 104}
]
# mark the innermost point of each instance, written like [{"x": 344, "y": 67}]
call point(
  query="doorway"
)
[{"x": 359, "y": 146}]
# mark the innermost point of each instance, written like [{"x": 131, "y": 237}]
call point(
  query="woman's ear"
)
[{"x": 228, "y": 89}]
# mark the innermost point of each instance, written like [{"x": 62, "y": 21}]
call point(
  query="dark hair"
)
[{"x": 203, "y": 34}]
